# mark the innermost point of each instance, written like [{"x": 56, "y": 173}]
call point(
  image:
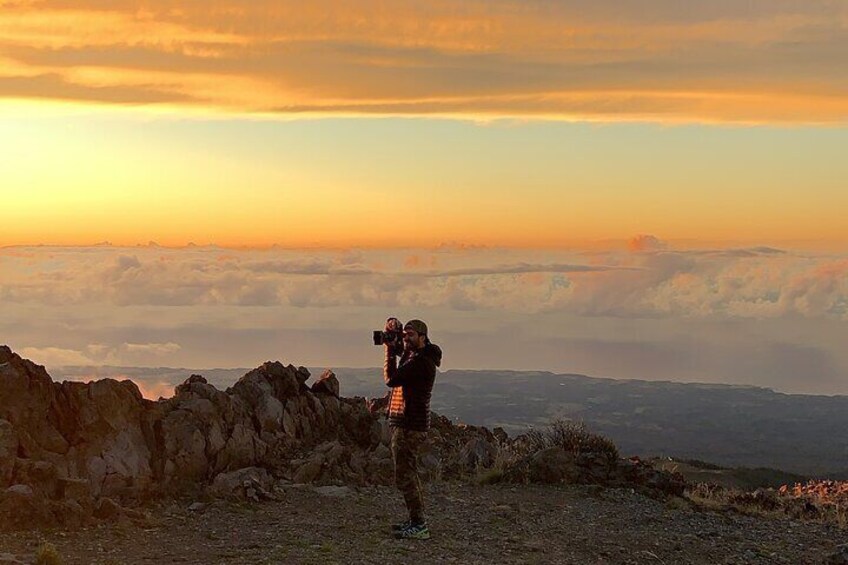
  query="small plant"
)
[
  {"x": 47, "y": 554},
  {"x": 571, "y": 436}
]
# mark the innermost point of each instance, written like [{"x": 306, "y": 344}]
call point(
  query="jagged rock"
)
[
  {"x": 186, "y": 385},
  {"x": 104, "y": 441},
  {"x": 378, "y": 406},
  {"x": 327, "y": 383},
  {"x": 8, "y": 452},
  {"x": 105, "y": 420},
  {"x": 302, "y": 375},
  {"x": 269, "y": 379}
]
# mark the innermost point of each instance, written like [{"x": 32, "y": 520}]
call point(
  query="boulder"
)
[
  {"x": 41, "y": 476},
  {"x": 251, "y": 483},
  {"x": 302, "y": 375},
  {"x": 270, "y": 378},
  {"x": 21, "y": 491},
  {"x": 310, "y": 470},
  {"x": 21, "y": 507},
  {"x": 327, "y": 383},
  {"x": 186, "y": 385}
]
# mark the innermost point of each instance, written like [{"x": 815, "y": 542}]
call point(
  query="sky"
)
[{"x": 637, "y": 190}]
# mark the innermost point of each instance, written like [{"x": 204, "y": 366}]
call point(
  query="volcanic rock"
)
[
  {"x": 327, "y": 383},
  {"x": 81, "y": 448}
]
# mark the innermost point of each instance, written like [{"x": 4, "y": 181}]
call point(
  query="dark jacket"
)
[{"x": 412, "y": 386}]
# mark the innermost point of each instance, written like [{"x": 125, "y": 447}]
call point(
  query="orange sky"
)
[
  {"x": 514, "y": 123},
  {"x": 755, "y": 62}
]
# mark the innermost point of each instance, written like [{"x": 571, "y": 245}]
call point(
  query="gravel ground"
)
[{"x": 469, "y": 524}]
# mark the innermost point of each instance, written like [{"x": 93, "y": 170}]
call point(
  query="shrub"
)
[
  {"x": 46, "y": 554},
  {"x": 571, "y": 436}
]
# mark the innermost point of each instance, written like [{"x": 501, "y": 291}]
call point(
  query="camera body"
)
[
  {"x": 390, "y": 338},
  {"x": 391, "y": 335}
]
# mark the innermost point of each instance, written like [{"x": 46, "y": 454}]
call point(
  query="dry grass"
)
[
  {"x": 498, "y": 472},
  {"x": 717, "y": 499},
  {"x": 47, "y": 554},
  {"x": 822, "y": 502}
]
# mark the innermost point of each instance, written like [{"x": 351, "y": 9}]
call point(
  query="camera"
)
[
  {"x": 382, "y": 337},
  {"x": 392, "y": 335}
]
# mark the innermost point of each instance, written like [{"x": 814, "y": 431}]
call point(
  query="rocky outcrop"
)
[{"x": 72, "y": 450}]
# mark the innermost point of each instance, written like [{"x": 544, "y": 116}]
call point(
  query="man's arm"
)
[
  {"x": 401, "y": 376},
  {"x": 390, "y": 368}
]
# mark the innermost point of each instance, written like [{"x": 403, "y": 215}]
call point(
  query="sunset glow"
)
[{"x": 517, "y": 124}]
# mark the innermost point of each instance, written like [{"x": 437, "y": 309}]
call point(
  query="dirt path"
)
[{"x": 469, "y": 524}]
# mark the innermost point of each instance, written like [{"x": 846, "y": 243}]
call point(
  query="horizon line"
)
[{"x": 576, "y": 244}]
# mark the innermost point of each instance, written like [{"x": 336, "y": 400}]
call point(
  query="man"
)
[{"x": 411, "y": 384}]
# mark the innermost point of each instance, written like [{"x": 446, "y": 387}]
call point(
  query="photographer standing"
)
[{"x": 411, "y": 383}]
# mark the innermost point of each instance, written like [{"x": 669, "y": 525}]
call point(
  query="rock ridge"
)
[{"x": 71, "y": 450}]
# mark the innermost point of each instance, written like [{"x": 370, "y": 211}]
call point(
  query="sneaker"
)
[
  {"x": 401, "y": 526},
  {"x": 414, "y": 531}
]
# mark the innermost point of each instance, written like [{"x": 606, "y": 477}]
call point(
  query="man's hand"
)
[{"x": 395, "y": 327}]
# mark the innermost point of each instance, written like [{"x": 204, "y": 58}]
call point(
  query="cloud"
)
[
  {"x": 614, "y": 60},
  {"x": 645, "y": 243},
  {"x": 55, "y": 356},
  {"x": 101, "y": 354},
  {"x": 756, "y": 283},
  {"x": 152, "y": 349}
]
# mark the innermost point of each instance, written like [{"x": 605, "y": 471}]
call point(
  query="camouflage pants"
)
[{"x": 406, "y": 445}]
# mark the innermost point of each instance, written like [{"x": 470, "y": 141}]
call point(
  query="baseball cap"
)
[{"x": 417, "y": 326}]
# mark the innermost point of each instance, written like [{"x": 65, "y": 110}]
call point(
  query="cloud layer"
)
[
  {"x": 756, "y": 315},
  {"x": 645, "y": 280},
  {"x": 760, "y": 61}
]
